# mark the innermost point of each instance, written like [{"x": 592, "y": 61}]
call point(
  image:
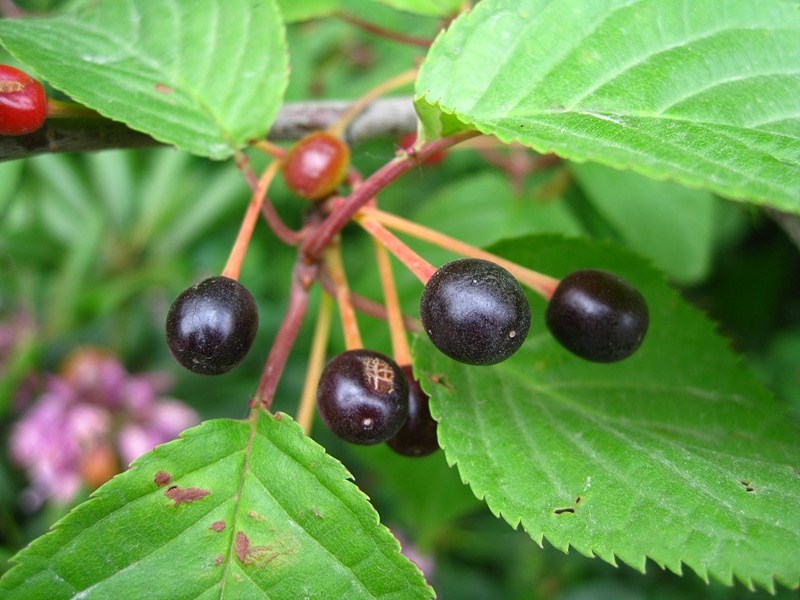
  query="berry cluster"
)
[{"x": 474, "y": 309}]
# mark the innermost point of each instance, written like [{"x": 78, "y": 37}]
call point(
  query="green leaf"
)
[
  {"x": 204, "y": 75},
  {"x": 234, "y": 509},
  {"x": 675, "y": 226},
  {"x": 705, "y": 93},
  {"x": 423, "y": 508},
  {"x": 294, "y": 11},
  {"x": 675, "y": 454}
]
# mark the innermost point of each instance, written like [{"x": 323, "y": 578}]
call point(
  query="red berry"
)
[
  {"x": 23, "y": 103},
  {"x": 316, "y": 165}
]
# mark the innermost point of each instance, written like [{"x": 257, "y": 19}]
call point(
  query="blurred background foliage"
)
[{"x": 93, "y": 248}]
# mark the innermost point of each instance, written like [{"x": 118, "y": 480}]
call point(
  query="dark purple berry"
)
[
  {"x": 211, "y": 325},
  {"x": 475, "y": 311},
  {"x": 597, "y": 315},
  {"x": 363, "y": 397},
  {"x": 417, "y": 436}
]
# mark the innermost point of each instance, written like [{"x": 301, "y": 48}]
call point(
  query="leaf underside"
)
[
  {"x": 705, "y": 93},
  {"x": 233, "y": 509},
  {"x": 204, "y": 75},
  {"x": 675, "y": 454}
]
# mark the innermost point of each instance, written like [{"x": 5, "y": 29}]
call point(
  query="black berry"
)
[
  {"x": 475, "y": 311},
  {"x": 211, "y": 325},
  {"x": 363, "y": 397},
  {"x": 417, "y": 436},
  {"x": 597, "y": 315}
]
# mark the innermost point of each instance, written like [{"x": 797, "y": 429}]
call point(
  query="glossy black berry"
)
[
  {"x": 363, "y": 397},
  {"x": 597, "y": 315},
  {"x": 475, "y": 311},
  {"x": 211, "y": 325},
  {"x": 417, "y": 436}
]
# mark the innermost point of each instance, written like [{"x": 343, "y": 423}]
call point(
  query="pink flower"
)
[{"x": 88, "y": 418}]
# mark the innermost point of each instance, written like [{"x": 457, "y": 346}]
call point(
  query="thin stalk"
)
[
  {"x": 367, "y": 306},
  {"x": 316, "y": 363},
  {"x": 287, "y": 333},
  {"x": 347, "y": 314},
  {"x": 401, "y": 351},
  {"x": 421, "y": 268},
  {"x": 383, "y": 32},
  {"x": 236, "y": 257},
  {"x": 543, "y": 285}
]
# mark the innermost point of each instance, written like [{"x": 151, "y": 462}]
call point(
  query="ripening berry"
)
[
  {"x": 23, "y": 103},
  {"x": 316, "y": 165}
]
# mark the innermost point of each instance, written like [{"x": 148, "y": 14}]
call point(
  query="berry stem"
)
[
  {"x": 285, "y": 234},
  {"x": 347, "y": 314},
  {"x": 401, "y": 352},
  {"x": 338, "y": 128},
  {"x": 60, "y": 109},
  {"x": 367, "y": 306},
  {"x": 269, "y": 148},
  {"x": 543, "y": 285},
  {"x": 302, "y": 277},
  {"x": 314, "y": 245},
  {"x": 383, "y": 32},
  {"x": 316, "y": 362},
  {"x": 421, "y": 268},
  {"x": 239, "y": 249}
]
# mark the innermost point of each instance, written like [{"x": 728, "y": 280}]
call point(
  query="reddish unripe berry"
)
[
  {"x": 316, "y": 165},
  {"x": 23, "y": 103}
]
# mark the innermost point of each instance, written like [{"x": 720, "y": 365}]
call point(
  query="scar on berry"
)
[
  {"x": 378, "y": 374},
  {"x": 180, "y": 495},
  {"x": 162, "y": 478}
]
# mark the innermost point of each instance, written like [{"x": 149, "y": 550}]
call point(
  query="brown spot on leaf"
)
[
  {"x": 316, "y": 513},
  {"x": 187, "y": 495},
  {"x": 255, "y": 516},
  {"x": 162, "y": 478},
  {"x": 578, "y": 500},
  {"x": 442, "y": 381},
  {"x": 747, "y": 486},
  {"x": 164, "y": 89},
  {"x": 219, "y": 560},
  {"x": 560, "y": 511},
  {"x": 217, "y": 526},
  {"x": 248, "y": 554}
]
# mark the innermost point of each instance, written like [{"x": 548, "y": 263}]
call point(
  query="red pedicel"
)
[{"x": 23, "y": 103}]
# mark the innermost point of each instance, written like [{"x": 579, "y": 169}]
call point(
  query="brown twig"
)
[{"x": 303, "y": 276}]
